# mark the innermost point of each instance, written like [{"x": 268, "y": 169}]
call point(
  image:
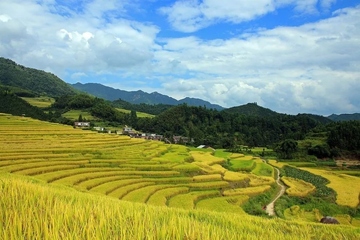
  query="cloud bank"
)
[{"x": 313, "y": 67}]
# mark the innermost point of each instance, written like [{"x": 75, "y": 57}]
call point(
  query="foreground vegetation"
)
[{"x": 33, "y": 209}]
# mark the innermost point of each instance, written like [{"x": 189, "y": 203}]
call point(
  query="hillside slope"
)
[{"x": 40, "y": 82}]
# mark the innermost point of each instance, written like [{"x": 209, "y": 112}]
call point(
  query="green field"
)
[
  {"x": 41, "y": 102},
  {"x": 138, "y": 114},
  {"x": 74, "y": 115}
]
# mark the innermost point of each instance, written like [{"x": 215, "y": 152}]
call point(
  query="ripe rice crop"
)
[
  {"x": 276, "y": 163},
  {"x": 188, "y": 200},
  {"x": 206, "y": 157},
  {"x": 160, "y": 197},
  {"x": 143, "y": 194},
  {"x": 260, "y": 180},
  {"x": 118, "y": 166},
  {"x": 19, "y": 168},
  {"x": 42, "y": 170},
  {"x": 62, "y": 213},
  {"x": 222, "y": 204},
  {"x": 174, "y": 180},
  {"x": 122, "y": 191},
  {"x": 186, "y": 167},
  {"x": 297, "y": 187},
  {"x": 219, "y": 168},
  {"x": 206, "y": 178},
  {"x": 76, "y": 179},
  {"x": 297, "y": 213},
  {"x": 250, "y": 191},
  {"x": 53, "y": 176},
  {"x": 234, "y": 176},
  {"x": 110, "y": 186},
  {"x": 206, "y": 168},
  {"x": 349, "y": 195},
  {"x": 208, "y": 185}
]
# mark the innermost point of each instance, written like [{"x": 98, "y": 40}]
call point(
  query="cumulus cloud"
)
[
  {"x": 192, "y": 15},
  {"x": 305, "y": 68},
  {"x": 92, "y": 40},
  {"x": 309, "y": 68}
]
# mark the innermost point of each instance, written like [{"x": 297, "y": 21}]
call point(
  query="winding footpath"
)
[{"x": 270, "y": 207}]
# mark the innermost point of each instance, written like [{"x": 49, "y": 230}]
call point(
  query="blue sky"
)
[{"x": 287, "y": 55}]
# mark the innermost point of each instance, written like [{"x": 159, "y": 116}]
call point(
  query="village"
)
[{"x": 129, "y": 131}]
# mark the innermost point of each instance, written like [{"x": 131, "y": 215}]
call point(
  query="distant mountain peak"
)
[{"x": 136, "y": 97}]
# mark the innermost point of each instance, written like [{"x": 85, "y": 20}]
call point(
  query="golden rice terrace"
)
[{"x": 134, "y": 170}]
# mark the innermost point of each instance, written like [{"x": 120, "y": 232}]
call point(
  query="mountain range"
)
[{"x": 137, "y": 97}]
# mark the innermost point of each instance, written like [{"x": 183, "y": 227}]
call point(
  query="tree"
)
[
  {"x": 287, "y": 148},
  {"x": 133, "y": 118},
  {"x": 80, "y": 118}
]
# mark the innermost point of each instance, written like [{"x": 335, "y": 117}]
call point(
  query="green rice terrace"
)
[{"x": 174, "y": 181}]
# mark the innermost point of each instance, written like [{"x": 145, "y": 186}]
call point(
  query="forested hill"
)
[
  {"x": 37, "y": 81},
  {"x": 252, "y": 109},
  {"x": 344, "y": 117},
  {"x": 225, "y": 130}
]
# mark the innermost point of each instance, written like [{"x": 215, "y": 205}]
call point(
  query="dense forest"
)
[
  {"x": 227, "y": 130},
  {"x": 154, "y": 109},
  {"x": 37, "y": 81}
]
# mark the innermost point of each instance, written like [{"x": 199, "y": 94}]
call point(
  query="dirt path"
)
[{"x": 270, "y": 207}]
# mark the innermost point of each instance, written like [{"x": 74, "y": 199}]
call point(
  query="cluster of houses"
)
[{"x": 135, "y": 134}]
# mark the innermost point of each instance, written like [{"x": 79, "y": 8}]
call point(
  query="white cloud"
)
[
  {"x": 85, "y": 41},
  {"x": 192, "y": 15},
  {"x": 310, "y": 68}
]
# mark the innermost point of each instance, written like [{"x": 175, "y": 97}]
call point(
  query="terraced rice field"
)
[
  {"x": 347, "y": 187},
  {"x": 297, "y": 187},
  {"x": 134, "y": 170}
]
